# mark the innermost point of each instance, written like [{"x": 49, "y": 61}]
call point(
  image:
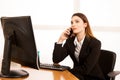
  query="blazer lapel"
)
[{"x": 84, "y": 46}]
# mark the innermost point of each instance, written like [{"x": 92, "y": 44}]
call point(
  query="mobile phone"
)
[{"x": 71, "y": 32}]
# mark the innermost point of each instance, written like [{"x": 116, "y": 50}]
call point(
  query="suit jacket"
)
[{"x": 88, "y": 58}]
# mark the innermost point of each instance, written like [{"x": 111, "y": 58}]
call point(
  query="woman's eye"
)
[{"x": 77, "y": 21}]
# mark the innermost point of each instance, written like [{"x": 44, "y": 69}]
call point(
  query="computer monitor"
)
[{"x": 19, "y": 45}]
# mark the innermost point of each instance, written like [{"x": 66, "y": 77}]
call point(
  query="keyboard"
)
[{"x": 54, "y": 67}]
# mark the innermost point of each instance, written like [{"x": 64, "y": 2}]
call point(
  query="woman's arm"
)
[{"x": 59, "y": 53}]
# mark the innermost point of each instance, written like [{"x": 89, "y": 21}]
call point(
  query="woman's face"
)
[{"x": 77, "y": 25}]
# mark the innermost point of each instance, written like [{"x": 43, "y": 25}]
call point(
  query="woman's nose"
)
[{"x": 73, "y": 24}]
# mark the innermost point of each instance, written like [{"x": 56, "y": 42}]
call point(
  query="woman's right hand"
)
[{"x": 64, "y": 35}]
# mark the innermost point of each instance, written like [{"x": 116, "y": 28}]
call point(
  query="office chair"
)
[{"x": 107, "y": 62}]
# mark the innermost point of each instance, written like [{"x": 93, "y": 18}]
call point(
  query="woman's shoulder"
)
[{"x": 93, "y": 39}]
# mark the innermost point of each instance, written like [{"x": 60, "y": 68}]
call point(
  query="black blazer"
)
[{"x": 88, "y": 58}]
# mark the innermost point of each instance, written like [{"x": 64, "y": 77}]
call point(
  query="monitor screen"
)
[{"x": 19, "y": 45}]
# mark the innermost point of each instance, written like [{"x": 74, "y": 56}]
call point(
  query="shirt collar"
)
[{"x": 76, "y": 41}]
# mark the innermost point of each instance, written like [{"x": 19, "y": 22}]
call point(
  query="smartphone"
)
[{"x": 71, "y": 32}]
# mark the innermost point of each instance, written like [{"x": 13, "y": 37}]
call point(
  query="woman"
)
[{"x": 82, "y": 47}]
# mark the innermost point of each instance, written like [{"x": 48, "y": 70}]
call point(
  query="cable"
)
[{"x": 37, "y": 60}]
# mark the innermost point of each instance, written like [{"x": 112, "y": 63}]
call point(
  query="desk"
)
[{"x": 44, "y": 74}]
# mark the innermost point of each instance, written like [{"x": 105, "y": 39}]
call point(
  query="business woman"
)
[{"x": 82, "y": 47}]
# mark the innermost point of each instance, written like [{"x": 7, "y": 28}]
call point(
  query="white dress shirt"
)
[{"x": 78, "y": 47}]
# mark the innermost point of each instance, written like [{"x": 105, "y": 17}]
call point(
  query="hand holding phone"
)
[{"x": 65, "y": 35}]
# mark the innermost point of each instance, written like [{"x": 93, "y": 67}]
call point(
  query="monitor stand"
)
[
  {"x": 6, "y": 72},
  {"x": 15, "y": 74}
]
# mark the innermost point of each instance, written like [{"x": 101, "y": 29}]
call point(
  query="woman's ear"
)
[{"x": 85, "y": 25}]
